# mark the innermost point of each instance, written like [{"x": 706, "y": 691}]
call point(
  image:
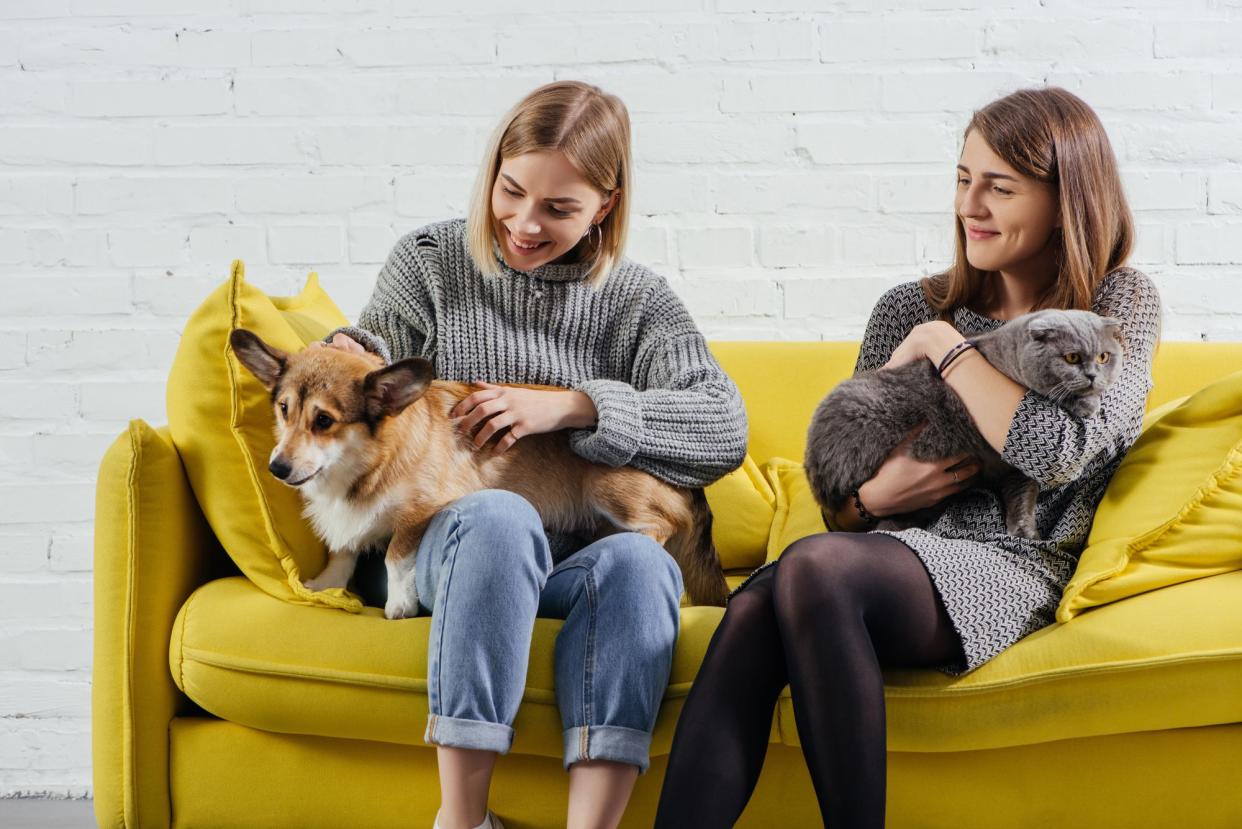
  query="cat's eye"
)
[
  {"x": 323, "y": 421},
  {"x": 1103, "y": 358},
  {"x": 1073, "y": 358}
]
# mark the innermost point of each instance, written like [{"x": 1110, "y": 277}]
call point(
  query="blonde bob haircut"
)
[
  {"x": 1052, "y": 136},
  {"x": 592, "y": 129}
]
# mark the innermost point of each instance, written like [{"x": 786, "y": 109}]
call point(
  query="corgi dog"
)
[{"x": 374, "y": 455}]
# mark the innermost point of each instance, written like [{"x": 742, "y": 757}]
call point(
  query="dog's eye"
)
[
  {"x": 284, "y": 409},
  {"x": 1073, "y": 358},
  {"x": 1103, "y": 358},
  {"x": 322, "y": 421}
]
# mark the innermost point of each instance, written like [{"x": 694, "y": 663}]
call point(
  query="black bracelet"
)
[
  {"x": 953, "y": 353},
  {"x": 862, "y": 511}
]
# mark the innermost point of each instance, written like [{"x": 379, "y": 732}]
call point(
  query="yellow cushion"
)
[
  {"x": 797, "y": 513},
  {"x": 1173, "y": 510},
  {"x": 1180, "y": 369},
  {"x": 742, "y": 505},
  {"x": 221, "y": 421},
  {"x": 757, "y": 513},
  {"x": 1160, "y": 411},
  {"x": 267, "y": 664}
]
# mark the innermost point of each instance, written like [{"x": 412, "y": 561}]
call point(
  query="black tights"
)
[{"x": 823, "y": 621}]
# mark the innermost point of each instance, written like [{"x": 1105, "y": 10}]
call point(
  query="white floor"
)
[{"x": 22, "y": 813}]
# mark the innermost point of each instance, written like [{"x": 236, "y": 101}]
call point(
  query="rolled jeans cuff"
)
[
  {"x": 607, "y": 742},
  {"x": 457, "y": 733}
]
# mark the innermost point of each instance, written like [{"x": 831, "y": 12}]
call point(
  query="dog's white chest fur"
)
[{"x": 349, "y": 526}]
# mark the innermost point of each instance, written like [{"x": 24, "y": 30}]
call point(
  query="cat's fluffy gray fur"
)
[{"x": 862, "y": 420}]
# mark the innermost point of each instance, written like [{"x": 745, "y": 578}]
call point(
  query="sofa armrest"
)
[{"x": 152, "y": 549}]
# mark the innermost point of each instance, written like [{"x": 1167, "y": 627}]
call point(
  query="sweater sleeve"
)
[
  {"x": 398, "y": 320},
  {"x": 679, "y": 417},
  {"x": 1052, "y": 446},
  {"x": 890, "y": 321}
]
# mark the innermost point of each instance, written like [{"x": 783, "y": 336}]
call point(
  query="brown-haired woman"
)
[{"x": 1041, "y": 222}]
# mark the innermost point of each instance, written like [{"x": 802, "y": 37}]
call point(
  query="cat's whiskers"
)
[{"x": 1059, "y": 392}]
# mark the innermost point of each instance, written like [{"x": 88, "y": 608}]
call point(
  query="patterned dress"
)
[{"x": 996, "y": 587}]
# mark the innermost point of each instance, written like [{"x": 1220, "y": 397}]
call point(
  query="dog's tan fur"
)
[{"x": 392, "y": 458}]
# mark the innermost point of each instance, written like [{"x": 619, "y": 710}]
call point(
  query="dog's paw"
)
[
  {"x": 400, "y": 607},
  {"x": 316, "y": 584}
]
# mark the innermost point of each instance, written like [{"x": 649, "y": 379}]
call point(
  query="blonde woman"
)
[
  {"x": 1042, "y": 222},
  {"x": 533, "y": 288}
]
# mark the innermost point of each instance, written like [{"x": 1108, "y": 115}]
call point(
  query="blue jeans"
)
[{"x": 485, "y": 571}]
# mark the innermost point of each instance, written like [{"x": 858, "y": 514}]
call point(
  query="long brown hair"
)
[
  {"x": 592, "y": 128},
  {"x": 1050, "y": 135}
]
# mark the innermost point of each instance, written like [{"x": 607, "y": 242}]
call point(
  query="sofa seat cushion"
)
[
  {"x": 256, "y": 660},
  {"x": 1171, "y": 658}
]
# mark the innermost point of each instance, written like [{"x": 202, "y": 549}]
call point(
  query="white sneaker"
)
[{"x": 490, "y": 821}]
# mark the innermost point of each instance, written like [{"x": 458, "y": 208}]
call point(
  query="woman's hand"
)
[
  {"x": 521, "y": 411},
  {"x": 930, "y": 340},
  {"x": 903, "y": 484},
  {"x": 342, "y": 342}
]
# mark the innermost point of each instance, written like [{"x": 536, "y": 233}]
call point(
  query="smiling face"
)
[
  {"x": 542, "y": 207},
  {"x": 1009, "y": 218}
]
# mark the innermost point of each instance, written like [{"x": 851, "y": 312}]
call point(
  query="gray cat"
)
[{"x": 1070, "y": 357}]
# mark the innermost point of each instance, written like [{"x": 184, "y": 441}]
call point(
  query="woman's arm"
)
[
  {"x": 898, "y": 310},
  {"x": 1033, "y": 434},
  {"x": 1052, "y": 446},
  {"x": 990, "y": 397},
  {"x": 399, "y": 319},
  {"x": 680, "y": 417}
]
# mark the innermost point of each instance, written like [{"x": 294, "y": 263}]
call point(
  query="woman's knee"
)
[
  {"x": 818, "y": 571},
  {"x": 496, "y": 507},
  {"x": 751, "y": 606},
  {"x": 636, "y": 567},
  {"x": 498, "y": 529}
]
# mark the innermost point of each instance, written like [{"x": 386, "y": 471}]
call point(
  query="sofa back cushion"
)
[{"x": 221, "y": 420}]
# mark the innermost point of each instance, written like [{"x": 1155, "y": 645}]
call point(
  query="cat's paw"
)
[
  {"x": 1084, "y": 407},
  {"x": 1023, "y": 529}
]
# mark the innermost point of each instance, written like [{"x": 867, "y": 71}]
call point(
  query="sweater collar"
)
[
  {"x": 549, "y": 272},
  {"x": 968, "y": 320}
]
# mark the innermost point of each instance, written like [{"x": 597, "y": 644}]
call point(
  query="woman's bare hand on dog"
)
[
  {"x": 518, "y": 412},
  {"x": 342, "y": 342}
]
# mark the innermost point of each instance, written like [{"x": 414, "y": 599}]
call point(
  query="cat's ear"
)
[{"x": 1042, "y": 329}]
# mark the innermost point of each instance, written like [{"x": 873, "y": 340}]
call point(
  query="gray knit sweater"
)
[{"x": 664, "y": 404}]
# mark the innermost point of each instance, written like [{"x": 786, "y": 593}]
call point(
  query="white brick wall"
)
[{"x": 794, "y": 160}]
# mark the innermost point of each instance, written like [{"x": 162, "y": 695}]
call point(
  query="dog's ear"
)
[
  {"x": 264, "y": 361},
  {"x": 390, "y": 389}
]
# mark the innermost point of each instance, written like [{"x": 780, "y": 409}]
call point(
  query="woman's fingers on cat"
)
[{"x": 911, "y": 435}]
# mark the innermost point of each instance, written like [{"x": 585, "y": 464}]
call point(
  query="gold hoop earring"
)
[{"x": 599, "y": 235}]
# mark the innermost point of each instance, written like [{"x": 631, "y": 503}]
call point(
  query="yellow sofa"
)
[{"x": 217, "y": 705}]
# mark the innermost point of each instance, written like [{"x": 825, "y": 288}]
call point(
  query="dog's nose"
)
[{"x": 280, "y": 469}]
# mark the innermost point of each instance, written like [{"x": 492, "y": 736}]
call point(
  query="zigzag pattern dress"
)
[{"x": 998, "y": 588}]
